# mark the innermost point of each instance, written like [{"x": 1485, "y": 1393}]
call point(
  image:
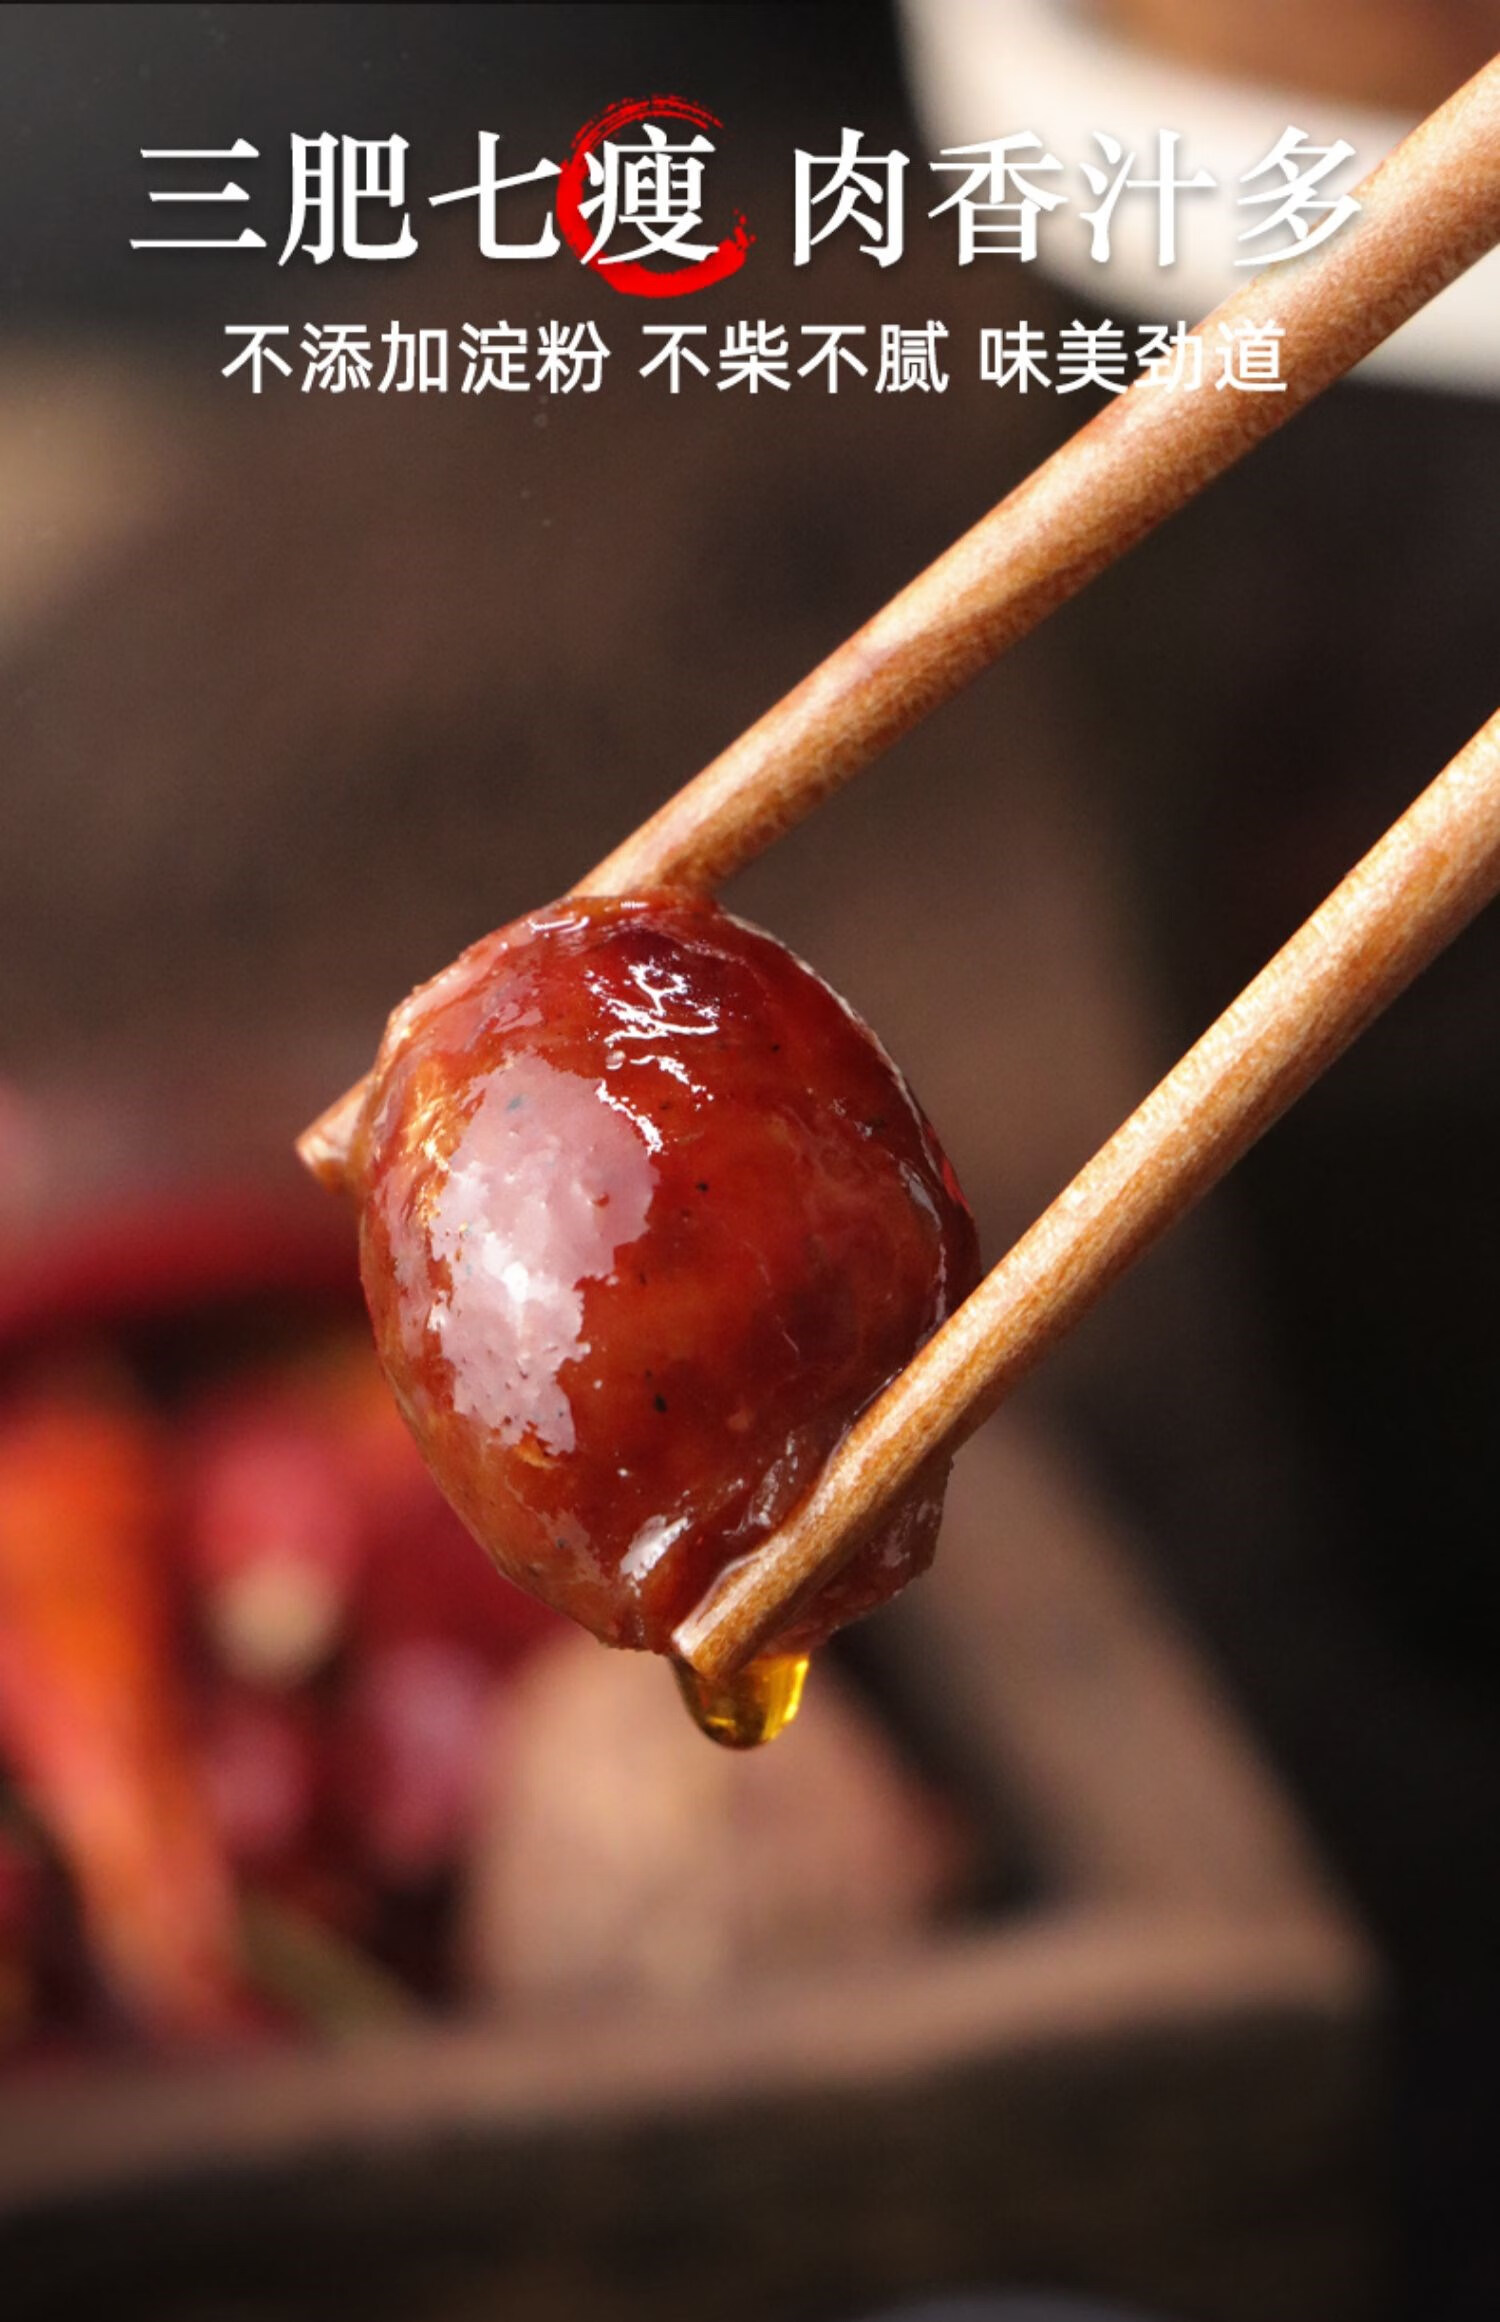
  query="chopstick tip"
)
[{"x": 324, "y": 1147}]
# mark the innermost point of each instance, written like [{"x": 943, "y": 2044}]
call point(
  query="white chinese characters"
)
[
  {"x": 636, "y": 190},
  {"x": 750, "y": 356}
]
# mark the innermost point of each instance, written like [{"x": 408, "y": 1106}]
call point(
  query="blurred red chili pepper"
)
[
  {"x": 409, "y": 1750},
  {"x": 260, "y": 1754},
  {"x": 91, "y": 1720},
  {"x": 275, "y": 1529},
  {"x": 22, "y": 1929}
]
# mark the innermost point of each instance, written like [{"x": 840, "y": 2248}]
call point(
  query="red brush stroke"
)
[{"x": 630, "y": 276}]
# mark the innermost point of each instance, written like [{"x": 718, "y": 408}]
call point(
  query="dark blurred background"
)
[{"x": 302, "y": 693}]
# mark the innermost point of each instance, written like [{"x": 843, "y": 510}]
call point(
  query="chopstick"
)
[
  {"x": 1428, "y": 212},
  {"x": 1422, "y": 883}
]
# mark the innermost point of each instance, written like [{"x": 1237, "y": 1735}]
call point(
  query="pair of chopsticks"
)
[{"x": 1427, "y": 214}]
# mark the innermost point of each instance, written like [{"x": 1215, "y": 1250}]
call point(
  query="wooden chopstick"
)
[
  {"x": 1428, "y": 212},
  {"x": 1433, "y": 871}
]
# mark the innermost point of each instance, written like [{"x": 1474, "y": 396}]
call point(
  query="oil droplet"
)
[{"x": 749, "y": 1708}]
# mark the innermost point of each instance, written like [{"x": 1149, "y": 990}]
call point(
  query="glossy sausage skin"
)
[{"x": 647, "y": 1217}]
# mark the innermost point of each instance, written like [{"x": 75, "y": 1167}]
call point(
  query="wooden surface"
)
[
  {"x": 1160, "y": 2080},
  {"x": 1412, "y": 893}
]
